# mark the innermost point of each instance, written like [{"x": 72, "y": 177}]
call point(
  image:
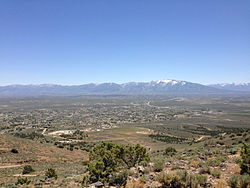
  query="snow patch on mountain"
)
[{"x": 172, "y": 82}]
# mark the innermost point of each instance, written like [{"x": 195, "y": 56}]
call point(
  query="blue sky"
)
[{"x": 82, "y": 41}]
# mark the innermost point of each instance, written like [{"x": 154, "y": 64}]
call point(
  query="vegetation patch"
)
[
  {"x": 109, "y": 162},
  {"x": 167, "y": 139}
]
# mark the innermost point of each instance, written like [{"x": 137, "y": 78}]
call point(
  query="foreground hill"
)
[
  {"x": 160, "y": 87},
  {"x": 15, "y": 153},
  {"x": 209, "y": 162}
]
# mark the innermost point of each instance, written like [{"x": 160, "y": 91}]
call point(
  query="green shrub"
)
[
  {"x": 200, "y": 180},
  {"x": 85, "y": 163},
  {"x": 158, "y": 164},
  {"x": 143, "y": 179},
  {"x": 216, "y": 173},
  {"x": 181, "y": 179},
  {"x": 119, "y": 179},
  {"x": 23, "y": 181},
  {"x": 14, "y": 150},
  {"x": 131, "y": 173},
  {"x": 213, "y": 162},
  {"x": 27, "y": 169},
  {"x": 164, "y": 178},
  {"x": 233, "y": 181},
  {"x": 205, "y": 170},
  {"x": 109, "y": 159},
  {"x": 146, "y": 170},
  {"x": 98, "y": 171},
  {"x": 143, "y": 163},
  {"x": 244, "y": 181},
  {"x": 175, "y": 167},
  {"x": 51, "y": 173},
  {"x": 182, "y": 175},
  {"x": 245, "y": 163},
  {"x": 233, "y": 151},
  {"x": 170, "y": 151},
  {"x": 237, "y": 160},
  {"x": 85, "y": 179}
]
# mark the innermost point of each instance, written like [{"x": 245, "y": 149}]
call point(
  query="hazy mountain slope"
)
[
  {"x": 233, "y": 86},
  {"x": 132, "y": 88}
]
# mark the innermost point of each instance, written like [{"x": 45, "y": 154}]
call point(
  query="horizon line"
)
[{"x": 98, "y": 83}]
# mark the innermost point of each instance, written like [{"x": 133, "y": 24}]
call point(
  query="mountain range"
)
[
  {"x": 160, "y": 87},
  {"x": 233, "y": 86}
]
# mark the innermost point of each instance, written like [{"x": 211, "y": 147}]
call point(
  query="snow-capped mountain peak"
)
[
  {"x": 172, "y": 82},
  {"x": 164, "y": 81},
  {"x": 241, "y": 84},
  {"x": 160, "y": 87}
]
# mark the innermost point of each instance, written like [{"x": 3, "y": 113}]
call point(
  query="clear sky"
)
[{"x": 81, "y": 41}]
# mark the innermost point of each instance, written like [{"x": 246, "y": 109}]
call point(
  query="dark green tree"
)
[{"x": 109, "y": 159}]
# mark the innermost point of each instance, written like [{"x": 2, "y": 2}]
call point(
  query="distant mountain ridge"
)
[
  {"x": 232, "y": 86},
  {"x": 160, "y": 87}
]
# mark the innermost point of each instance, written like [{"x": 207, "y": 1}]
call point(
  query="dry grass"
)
[{"x": 40, "y": 156}]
